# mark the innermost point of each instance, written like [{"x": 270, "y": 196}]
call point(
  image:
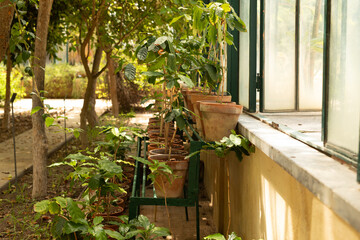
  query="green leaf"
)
[
  {"x": 226, "y": 7},
  {"x": 216, "y": 236},
  {"x": 76, "y": 133},
  {"x": 58, "y": 226},
  {"x": 75, "y": 212},
  {"x": 97, "y": 220},
  {"x": 94, "y": 182},
  {"x": 54, "y": 208},
  {"x": 35, "y": 109},
  {"x": 115, "y": 235},
  {"x": 71, "y": 227},
  {"x": 181, "y": 123},
  {"x": 233, "y": 236},
  {"x": 157, "y": 64},
  {"x": 61, "y": 201},
  {"x": 161, "y": 40},
  {"x": 212, "y": 34},
  {"x": 174, "y": 20},
  {"x": 78, "y": 156},
  {"x": 211, "y": 69},
  {"x": 142, "y": 54},
  {"x": 130, "y": 72},
  {"x": 160, "y": 231},
  {"x": 42, "y": 207},
  {"x": 172, "y": 62},
  {"x": 49, "y": 121},
  {"x": 186, "y": 80},
  {"x": 153, "y": 74}
]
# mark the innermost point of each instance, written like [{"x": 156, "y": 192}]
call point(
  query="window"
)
[{"x": 308, "y": 60}]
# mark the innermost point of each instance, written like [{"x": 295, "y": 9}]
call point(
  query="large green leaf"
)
[
  {"x": 49, "y": 121},
  {"x": 212, "y": 71},
  {"x": 115, "y": 235},
  {"x": 130, "y": 71},
  {"x": 216, "y": 236},
  {"x": 187, "y": 81},
  {"x": 42, "y": 207},
  {"x": 161, "y": 40},
  {"x": 157, "y": 63},
  {"x": 75, "y": 212},
  {"x": 58, "y": 226},
  {"x": 54, "y": 208},
  {"x": 171, "y": 62},
  {"x": 153, "y": 74},
  {"x": 174, "y": 20},
  {"x": 142, "y": 53}
]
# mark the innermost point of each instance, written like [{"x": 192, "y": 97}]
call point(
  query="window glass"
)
[
  {"x": 279, "y": 78},
  {"x": 311, "y": 54},
  {"x": 344, "y": 72},
  {"x": 244, "y": 55}
]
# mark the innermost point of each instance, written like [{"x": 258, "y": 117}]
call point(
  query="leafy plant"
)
[
  {"x": 71, "y": 218},
  {"x": 235, "y": 142},
  {"x": 140, "y": 228},
  {"x": 219, "y": 236},
  {"x": 212, "y": 21}
]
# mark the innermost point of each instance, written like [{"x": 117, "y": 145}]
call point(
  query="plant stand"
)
[{"x": 191, "y": 190}]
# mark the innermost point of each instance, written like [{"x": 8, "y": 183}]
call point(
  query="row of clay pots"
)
[{"x": 176, "y": 161}]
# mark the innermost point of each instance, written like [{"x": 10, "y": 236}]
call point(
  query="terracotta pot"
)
[
  {"x": 160, "y": 151},
  {"x": 162, "y": 141},
  {"x": 180, "y": 169},
  {"x": 113, "y": 211},
  {"x": 196, "y": 98},
  {"x": 186, "y": 91},
  {"x": 219, "y": 119},
  {"x": 154, "y": 120},
  {"x": 161, "y": 145}
]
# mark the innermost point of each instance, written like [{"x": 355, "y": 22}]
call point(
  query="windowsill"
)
[{"x": 330, "y": 181}]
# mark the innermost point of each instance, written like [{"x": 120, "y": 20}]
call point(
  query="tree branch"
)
[{"x": 101, "y": 71}]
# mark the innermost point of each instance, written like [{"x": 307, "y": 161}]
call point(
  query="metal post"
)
[
  {"x": 13, "y": 131},
  {"x": 65, "y": 122}
]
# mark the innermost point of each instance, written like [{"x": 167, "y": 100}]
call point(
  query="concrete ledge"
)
[{"x": 331, "y": 182}]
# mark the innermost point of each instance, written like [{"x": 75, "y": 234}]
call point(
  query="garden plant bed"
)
[
  {"x": 23, "y": 123},
  {"x": 16, "y": 206}
]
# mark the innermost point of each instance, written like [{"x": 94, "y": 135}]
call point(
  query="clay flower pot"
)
[
  {"x": 219, "y": 119},
  {"x": 180, "y": 169},
  {"x": 196, "y": 98}
]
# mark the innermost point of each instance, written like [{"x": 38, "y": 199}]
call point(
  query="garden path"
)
[{"x": 56, "y": 137}]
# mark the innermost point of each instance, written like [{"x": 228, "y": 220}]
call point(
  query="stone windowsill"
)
[{"x": 330, "y": 181}]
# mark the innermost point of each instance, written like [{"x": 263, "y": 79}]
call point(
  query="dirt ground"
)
[
  {"x": 22, "y": 124},
  {"x": 19, "y": 221}
]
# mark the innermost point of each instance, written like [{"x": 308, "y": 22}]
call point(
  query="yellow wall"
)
[{"x": 267, "y": 202}]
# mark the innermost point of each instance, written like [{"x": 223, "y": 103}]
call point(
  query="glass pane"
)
[
  {"x": 344, "y": 72},
  {"x": 244, "y": 55},
  {"x": 311, "y": 54},
  {"x": 279, "y": 78}
]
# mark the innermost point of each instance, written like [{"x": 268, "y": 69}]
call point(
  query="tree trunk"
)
[
  {"x": 88, "y": 113},
  {"x": 6, "y": 119},
  {"x": 6, "y": 16},
  {"x": 39, "y": 136},
  {"x": 112, "y": 85}
]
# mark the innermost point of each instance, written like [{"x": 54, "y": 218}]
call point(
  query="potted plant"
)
[{"x": 213, "y": 20}]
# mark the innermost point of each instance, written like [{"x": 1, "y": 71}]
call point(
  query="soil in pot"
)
[
  {"x": 180, "y": 168},
  {"x": 162, "y": 145},
  {"x": 160, "y": 151}
]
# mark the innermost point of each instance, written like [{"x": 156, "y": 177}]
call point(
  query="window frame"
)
[{"x": 256, "y": 80}]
